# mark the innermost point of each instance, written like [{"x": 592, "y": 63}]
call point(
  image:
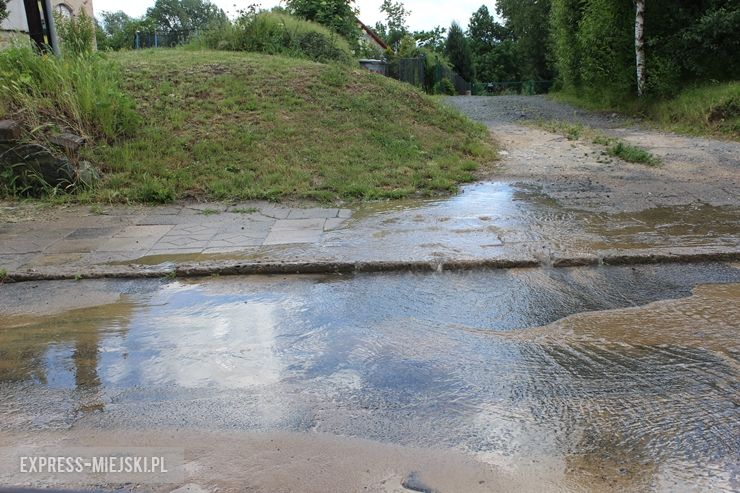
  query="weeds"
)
[
  {"x": 615, "y": 147},
  {"x": 244, "y": 210},
  {"x": 209, "y": 212},
  {"x": 632, "y": 154},
  {"x": 278, "y": 34}
]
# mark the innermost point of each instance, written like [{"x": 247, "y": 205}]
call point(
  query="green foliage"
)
[
  {"x": 632, "y": 154},
  {"x": 459, "y": 52},
  {"x": 153, "y": 191},
  {"x": 3, "y": 10},
  {"x": 81, "y": 92},
  {"x": 605, "y": 42},
  {"x": 434, "y": 39},
  {"x": 446, "y": 87},
  {"x": 184, "y": 15},
  {"x": 280, "y": 34},
  {"x": 713, "y": 109},
  {"x": 685, "y": 43},
  {"x": 338, "y": 15},
  {"x": 564, "y": 19},
  {"x": 494, "y": 54},
  {"x": 120, "y": 30},
  {"x": 528, "y": 23},
  {"x": 394, "y": 29},
  {"x": 76, "y": 34}
]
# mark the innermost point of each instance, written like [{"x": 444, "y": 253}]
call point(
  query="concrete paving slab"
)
[
  {"x": 334, "y": 223},
  {"x": 74, "y": 246},
  {"x": 143, "y": 231},
  {"x": 91, "y": 233},
  {"x": 288, "y": 236},
  {"x": 313, "y": 213},
  {"x": 299, "y": 225},
  {"x": 15, "y": 261},
  {"x": 121, "y": 244}
]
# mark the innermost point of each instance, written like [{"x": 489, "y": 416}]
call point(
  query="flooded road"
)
[{"x": 604, "y": 378}]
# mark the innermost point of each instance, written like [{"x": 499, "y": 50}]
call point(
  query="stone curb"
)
[{"x": 232, "y": 268}]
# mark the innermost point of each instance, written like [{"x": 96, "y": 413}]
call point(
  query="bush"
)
[
  {"x": 81, "y": 92},
  {"x": 445, "y": 86},
  {"x": 279, "y": 34}
]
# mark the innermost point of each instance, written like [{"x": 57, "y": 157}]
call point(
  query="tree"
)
[
  {"x": 338, "y": 15},
  {"x": 3, "y": 10},
  {"x": 118, "y": 30},
  {"x": 528, "y": 22},
  {"x": 394, "y": 29},
  {"x": 494, "y": 53},
  {"x": 459, "y": 52},
  {"x": 433, "y": 39},
  {"x": 184, "y": 15},
  {"x": 640, "y": 45}
]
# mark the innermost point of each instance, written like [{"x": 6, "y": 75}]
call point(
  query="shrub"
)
[
  {"x": 81, "y": 92},
  {"x": 445, "y": 86},
  {"x": 280, "y": 34}
]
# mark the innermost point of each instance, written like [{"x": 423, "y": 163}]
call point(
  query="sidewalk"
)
[{"x": 493, "y": 224}]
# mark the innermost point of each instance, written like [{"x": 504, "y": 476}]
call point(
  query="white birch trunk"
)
[{"x": 640, "y": 45}]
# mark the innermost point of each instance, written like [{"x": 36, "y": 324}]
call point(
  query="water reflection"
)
[{"x": 642, "y": 397}]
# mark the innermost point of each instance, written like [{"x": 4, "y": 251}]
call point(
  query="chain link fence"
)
[
  {"x": 522, "y": 87},
  {"x": 156, "y": 39},
  {"x": 417, "y": 72}
]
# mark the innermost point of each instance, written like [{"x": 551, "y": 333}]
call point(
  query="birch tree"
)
[{"x": 640, "y": 45}]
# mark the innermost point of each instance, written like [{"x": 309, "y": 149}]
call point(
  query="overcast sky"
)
[{"x": 425, "y": 14}]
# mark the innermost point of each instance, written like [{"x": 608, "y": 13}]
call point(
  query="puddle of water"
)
[
  {"x": 495, "y": 220},
  {"x": 638, "y": 397}
]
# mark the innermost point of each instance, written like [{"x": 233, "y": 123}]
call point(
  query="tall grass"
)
[
  {"x": 80, "y": 92},
  {"x": 715, "y": 107},
  {"x": 278, "y": 34},
  {"x": 711, "y": 109}
]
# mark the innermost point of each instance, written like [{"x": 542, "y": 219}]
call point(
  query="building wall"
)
[{"x": 16, "y": 20}]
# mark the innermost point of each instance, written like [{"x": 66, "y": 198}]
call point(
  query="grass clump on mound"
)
[
  {"x": 222, "y": 125},
  {"x": 278, "y": 34}
]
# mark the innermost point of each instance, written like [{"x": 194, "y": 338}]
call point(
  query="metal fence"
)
[
  {"x": 523, "y": 87},
  {"x": 415, "y": 71},
  {"x": 156, "y": 39}
]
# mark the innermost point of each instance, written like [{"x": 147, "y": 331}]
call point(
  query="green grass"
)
[
  {"x": 81, "y": 93},
  {"x": 223, "y": 125},
  {"x": 709, "y": 110},
  {"x": 632, "y": 154},
  {"x": 615, "y": 147}
]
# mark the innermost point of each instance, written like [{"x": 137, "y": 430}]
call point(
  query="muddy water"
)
[{"x": 638, "y": 392}]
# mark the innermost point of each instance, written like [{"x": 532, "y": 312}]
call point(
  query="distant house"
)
[
  {"x": 16, "y": 21},
  {"x": 371, "y": 38}
]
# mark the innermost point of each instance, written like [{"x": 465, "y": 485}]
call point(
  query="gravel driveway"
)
[{"x": 695, "y": 170}]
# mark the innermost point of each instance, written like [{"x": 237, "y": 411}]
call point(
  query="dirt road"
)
[{"x": 577, "y": 174}]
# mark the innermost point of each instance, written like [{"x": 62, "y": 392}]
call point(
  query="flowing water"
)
[{"x": 620, "y": 377}]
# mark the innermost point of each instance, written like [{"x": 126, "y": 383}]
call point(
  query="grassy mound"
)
[{"x": 222, "y": 125}]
